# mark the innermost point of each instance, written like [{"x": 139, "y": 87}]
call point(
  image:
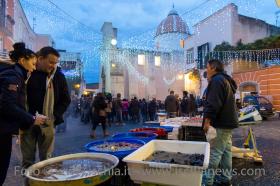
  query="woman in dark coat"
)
[
  {"x": 13, "y": 115},
  {"x": 99, "y": 114}
]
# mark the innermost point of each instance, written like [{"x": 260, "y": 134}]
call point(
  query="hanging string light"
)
[
  {"x": 170, "y": 66},
  {"x": 264, "y": 57}
]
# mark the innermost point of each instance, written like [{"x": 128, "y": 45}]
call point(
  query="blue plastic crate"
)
[
  {"x": 145, "y": 136},
  {"x": 121, "y": 153}
]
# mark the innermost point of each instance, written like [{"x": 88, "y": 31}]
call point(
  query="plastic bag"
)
[{"x": 211, "y": 134}]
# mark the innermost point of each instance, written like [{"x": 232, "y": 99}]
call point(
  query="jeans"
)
[
  {"x": 143, "y": 117},
  {"x": 119, "y": 116},
  {"x": 220, "y": 158},
  {"x": 152, "y": 116},
  {"x": 125, "y": 115}
]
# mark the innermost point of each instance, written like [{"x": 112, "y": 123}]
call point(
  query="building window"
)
[
  {"x": 157, "y": 61},
  {"x": 141, "y": 59},
  {"x": 202, "y": 51},
  {"x": 189, "y": 56}
]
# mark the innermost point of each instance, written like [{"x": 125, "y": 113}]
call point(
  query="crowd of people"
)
[{"x": 107, "y": 110}]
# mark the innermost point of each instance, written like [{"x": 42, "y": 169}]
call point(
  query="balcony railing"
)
[{"x": 4, "y": 56}]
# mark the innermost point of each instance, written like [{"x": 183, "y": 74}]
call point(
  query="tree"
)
[
  {"x": 224, "y": 46},
  {"x": 266, "y": 43}
]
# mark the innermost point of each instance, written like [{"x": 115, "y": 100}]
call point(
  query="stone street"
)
[{"x": 267, "y": 134}]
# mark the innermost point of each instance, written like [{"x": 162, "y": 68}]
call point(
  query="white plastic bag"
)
[{"x": 211, "y": 134}]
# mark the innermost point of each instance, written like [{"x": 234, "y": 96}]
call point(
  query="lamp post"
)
[
  {"x": 114, "y": 42},
  {"x": 77, "y": 86}
]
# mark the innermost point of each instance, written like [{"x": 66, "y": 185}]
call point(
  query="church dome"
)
[{"x": 173, "y": 23}]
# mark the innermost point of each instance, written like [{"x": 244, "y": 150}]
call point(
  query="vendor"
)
[{"x": 220, "y": 112}]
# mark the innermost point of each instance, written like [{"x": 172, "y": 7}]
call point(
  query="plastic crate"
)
[
  {"x": 162, "y": 134},
  {"x": 164, "y": 173},
  {"x": 191, "y": 133},
  {"x": 145, "y": 136},
  {"x": 166, "y": 128},
  {"x": 121, "y": 153}
]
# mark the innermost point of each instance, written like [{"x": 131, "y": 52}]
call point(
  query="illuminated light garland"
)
[
  {"x": 264, "y": 57},
  {"x": 55, "y": 20},
  {"x": 169, "y": 82}
]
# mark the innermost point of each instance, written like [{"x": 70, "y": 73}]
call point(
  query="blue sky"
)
[{"x": 75, "y": 24}]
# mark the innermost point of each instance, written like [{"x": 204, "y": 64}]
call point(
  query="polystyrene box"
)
[{"x": 140, "y": 170}]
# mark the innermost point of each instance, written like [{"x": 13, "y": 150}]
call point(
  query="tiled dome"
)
[{"x": 173, "y": 23}]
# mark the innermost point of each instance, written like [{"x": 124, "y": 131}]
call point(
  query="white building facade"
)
[
  {"x": 145, "y": 73},
  {"x": 224, "y": 25}
]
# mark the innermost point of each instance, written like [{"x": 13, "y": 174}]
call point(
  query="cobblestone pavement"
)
[{"x": 267, "y": 134}]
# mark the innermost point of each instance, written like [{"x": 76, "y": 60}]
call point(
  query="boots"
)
[{"x": 92, "y": 134}]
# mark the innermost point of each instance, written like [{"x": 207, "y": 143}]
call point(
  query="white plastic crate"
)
[
  {"x": 164, "y": 173},
  {"x": 161, "y": 116}
]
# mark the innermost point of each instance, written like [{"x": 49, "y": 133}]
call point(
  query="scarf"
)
[{"x": 48, "y": 106}]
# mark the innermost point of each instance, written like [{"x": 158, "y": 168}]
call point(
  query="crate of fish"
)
[
  {"x": 169, "y": 162},
  {"x": 116, "y": 147}
]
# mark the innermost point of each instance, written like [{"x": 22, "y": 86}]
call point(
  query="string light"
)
[
  {"x": 263, "y": 57},
  {"x": 171, "y": 63}
]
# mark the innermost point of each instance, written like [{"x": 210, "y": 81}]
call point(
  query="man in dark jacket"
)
[
  {"x": 47, "y": 94},
  {"x": 117, "y": 105},
  {"x": 135, "y": 107},
  {"x": 152, "y": 109},
  {"x": 171, "y": 105},
  {"x": 184, "y": 104},
  {"x": 220, "y": 112},
  {"x": 144, "y": 110}
]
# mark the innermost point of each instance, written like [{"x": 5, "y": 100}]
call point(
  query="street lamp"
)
[
  {"x": 114, "y": 42},
  {"x": 180, "y": 76},
  {"x": 113, "y": 65},
  {"x": 77, "y": 86}
]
